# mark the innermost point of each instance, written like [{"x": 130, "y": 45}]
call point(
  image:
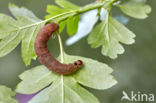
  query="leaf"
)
[
  {"x": 10, "y": 36},
  {"x": 6, "y": 95},
  {"x": 34, "y": 80},
  {"x": 53, "y": 11},
  {"x": 66, "y": 89},
  {"x": 7, "y": 23},
  {"x": 86, "y": 24},
  {"x": 108, "y": 34},
  {"x": 26, "y": 17},
  {"x": 72, "y": 25},
  {"x": 28, "y": 51},
  {"x": 62, "y": 26},
  {"x": 24, "y": 29},
  {"x": 137, "y": 1},
  {"x": 22, "y": 12},
  {"x": 135, "y": 9},
  {"x": 66, "y": 6},
  {"x": 93, "y": 74}
]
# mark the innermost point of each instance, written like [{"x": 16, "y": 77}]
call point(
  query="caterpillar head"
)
[{"x": 78, "y": 63}]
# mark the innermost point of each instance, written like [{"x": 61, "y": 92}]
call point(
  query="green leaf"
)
[
  {"x": 34, "y": 80},
  {"x": 22, "y": 12},
  {"x": 53, "y": 11},
  {"x": 62, "y": 25},
  {"x": 108, "y": 34},
  {"x": 72, "y": 25},
  {"x": 7, "y": 23},
  {"x": 24, "y": 29},
  {"x": 67, "y": 5},
  {"x": 9, "y": 35},
  {"x": 135, "y": 9},
  {"x": 6, "y": 95},
  {"x": 93, "y": 74},
  {"x": 136, "y": 1},
  {"x": 28, "y": 51},
  {"x": 26, "y": 17},
  {"x": 66, "y": 89}
]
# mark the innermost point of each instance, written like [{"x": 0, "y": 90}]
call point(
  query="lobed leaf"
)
[
  {"x": 53, "y": 11},
  {"x": 108, "y": 34},
  {"x": 34, "y": 80},
  {"x": 62, "y": 26},
  {"x": 24, "y": 29},
  {"x": 65, "y": 6},
  {"x": 28, "y": 51},
  {"x": 135, "y": 9},
  {"x": 86, "y": 24},
  {"x": 72, "y": 25},
  {"x": 93, "y": 74},
  {"x": 22, "y": 12},
  {"x": 10, "y": 36},
  {"x": 65, "y": 89},
  {"x": 26, "y": 17},
  {"x": 137, "y": 1},
  {"x": 6, "y": 95}
]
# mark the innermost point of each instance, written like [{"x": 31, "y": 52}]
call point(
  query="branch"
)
[{"x": 84, "y": 9}]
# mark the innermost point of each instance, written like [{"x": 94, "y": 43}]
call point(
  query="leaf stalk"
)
[{"x": 61, "y": 48}]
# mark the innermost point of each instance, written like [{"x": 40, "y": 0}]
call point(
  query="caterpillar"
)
[{"x": 46, "y": 58}]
